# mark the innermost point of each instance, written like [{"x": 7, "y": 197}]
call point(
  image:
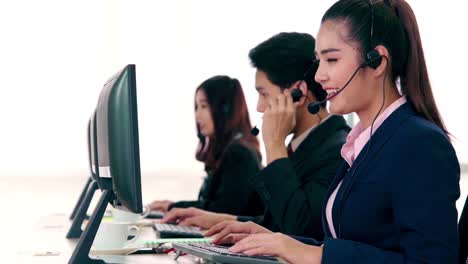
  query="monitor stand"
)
[
  {"x": 75, "y": 228},
  {"x": 81, "y": 253},
  {"x": 80, "y": 199}
]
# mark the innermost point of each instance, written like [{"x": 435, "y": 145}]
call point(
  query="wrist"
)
[
  {"x": 320, "y": 253},
  {"x": 274, "y": 142},
  {"x": 275, "y": 151},
  {"x": 228, "y": 217},
  {"x": 305, "y": 253}
]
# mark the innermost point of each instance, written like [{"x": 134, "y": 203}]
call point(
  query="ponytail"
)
[{"x": 414, "y": 78}]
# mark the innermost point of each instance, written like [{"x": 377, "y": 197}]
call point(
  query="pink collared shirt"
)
[{"x": 355, "y": 142}]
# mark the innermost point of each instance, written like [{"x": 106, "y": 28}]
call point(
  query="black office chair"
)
[{"x": 463, "y": 234}]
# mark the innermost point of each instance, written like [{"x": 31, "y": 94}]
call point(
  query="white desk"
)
[{"x": 29, "y": 226}]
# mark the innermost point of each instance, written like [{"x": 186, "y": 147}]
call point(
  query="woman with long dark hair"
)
[
  {"x": 393, "y": 198},
  {"x": 230, "y": 153}
]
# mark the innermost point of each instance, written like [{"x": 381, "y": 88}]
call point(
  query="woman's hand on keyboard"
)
[
  {"x": 229, "y": 232},
  {"x": 195, "y": 217},
  {"x": 278, "y": 245}
]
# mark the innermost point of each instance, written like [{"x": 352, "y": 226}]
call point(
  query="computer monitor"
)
[
  {"x": 117, "y": 138},
  {"x": 118, "y": 158}
]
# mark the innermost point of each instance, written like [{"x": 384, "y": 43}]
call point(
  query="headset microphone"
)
[
  {"x": 255, "y": 131},
  {"x": 314, "y": 107}
]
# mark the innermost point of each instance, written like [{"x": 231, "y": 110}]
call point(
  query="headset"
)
[
  {"x": 225, "y": 106},
  {"x": 296, "y": 95},
  {"x": 373, "y": 59}
]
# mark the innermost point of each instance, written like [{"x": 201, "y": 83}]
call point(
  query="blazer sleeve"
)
[
  {"x": 307, "y": 240},
  {"x": 231, "y": 194},
  {"x": 295, "y": 205},
  {"x": 424, "y": 185},
  {"x": 255, "y": 219}
]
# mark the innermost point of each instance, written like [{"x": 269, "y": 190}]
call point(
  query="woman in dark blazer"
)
[
  {"x": 393, "y": 199},
  {"x": 228, "y": 150}
]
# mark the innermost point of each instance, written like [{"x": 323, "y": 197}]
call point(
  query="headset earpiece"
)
[
  {"x": 296, "y": 94},
  {"x": 373, "y": 59},
  {"x": 225, "y": 108}
]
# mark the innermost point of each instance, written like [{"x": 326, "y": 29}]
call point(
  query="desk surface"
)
[
  {"x": 34, "y": 215},
  {"x": 49, "y": 236}
]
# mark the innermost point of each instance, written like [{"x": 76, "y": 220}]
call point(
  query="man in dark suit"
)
[{"x": 297, "y": 176}]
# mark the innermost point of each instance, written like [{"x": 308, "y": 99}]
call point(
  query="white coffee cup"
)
[
  {"x": 114, "y": 235},
  {"x": 125, "y": 216}
]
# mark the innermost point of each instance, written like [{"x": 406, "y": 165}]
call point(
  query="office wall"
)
[{"x": 56, "y": 55}]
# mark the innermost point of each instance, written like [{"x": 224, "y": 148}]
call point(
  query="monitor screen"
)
[{"x": 118, "y": 153}]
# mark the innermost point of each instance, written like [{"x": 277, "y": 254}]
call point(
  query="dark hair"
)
[
  {"x": 396, "y": 28},
  {"x": 230, "y": 116},
  {"x": 286, "y": 58}
]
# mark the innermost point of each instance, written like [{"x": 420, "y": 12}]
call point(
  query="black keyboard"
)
[
  {"x": 217, "y": 253},
  {"x": 177, "y": 231}
]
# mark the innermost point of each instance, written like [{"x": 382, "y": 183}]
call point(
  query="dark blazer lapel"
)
[
  {"x": 315, "y": 138},
  {"x": 318, "y": 135},
  {"x": 379, "y": 139}
]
